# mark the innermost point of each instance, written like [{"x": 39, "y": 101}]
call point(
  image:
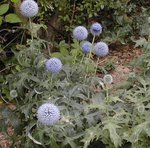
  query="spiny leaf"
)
[
  {"x": 112, "y": 127},
  {"x": 115, "y": 99},
  {"x": 92, "y": 133},
  {"x": 141, "y": 42},
  {"x": 35, "y": 28},
  {"x": 138, "y": 129}
]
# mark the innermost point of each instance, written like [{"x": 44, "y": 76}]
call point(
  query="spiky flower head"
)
[
  {"x": 53, "y": 65},
  {"x": 96, "y": 29},
  {"x": 108, "y": 79},
  {"x": 29, "y": 8},
  {"x": 48, "y": 114},
  {"x": 80, "y": 33},
  {"x": 86, "y": 47},
  {"x": 101, "y": 49},
  {"x": 13, "y": 93}
]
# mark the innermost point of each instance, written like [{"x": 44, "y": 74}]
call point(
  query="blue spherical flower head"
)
[
  {"x": 86, "y": 47},
  {"x": 96, "y": 29},
  {"x": 53, "y": 65},
  {"x": 80, "y": 33},
  {"x": 101, "y": 49},
  {"x": 29, "y": 8},
  {"x": 48, "y": 114}
]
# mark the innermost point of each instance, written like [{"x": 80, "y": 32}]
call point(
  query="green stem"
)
[
  {"x": 52, "y": 79},
  {"x": 75, "y": 57},
  {"x": 4, "y": 99},
  {"x": 107, "y": 101},
  {"x": 96, "y": 65},
  {"x": 107, "y": 95},
  {"x": 82, "y": 59},
  {"x": 30, "y": 23},
  {"x": 49, "y": 51},
  {"x": 90, "y": 54},
  {"x": 22, "y": 37}
]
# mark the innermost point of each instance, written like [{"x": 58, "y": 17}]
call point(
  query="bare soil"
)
[{"x": 122, "y": 55}]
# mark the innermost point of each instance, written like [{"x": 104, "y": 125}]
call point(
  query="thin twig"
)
[
  {"x": 11, "y": 41},
  {"x": 9, "y": 30},
  {"x": 6, "y": 68},
  {"x": 4, "y": 99},
  {"x": 73, "y": 12}
]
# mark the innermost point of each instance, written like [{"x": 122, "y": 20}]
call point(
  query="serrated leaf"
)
[
  {"x": 70, "y": 142},
  {"x": 112, "y": 127},
  {"x": 115, "y": 99},
  {"x": 12, "y": 18},
  {"x": 140, "y": 42},
  {"x": 92, "y": 133},
  {"x": 142, "y": 81},
  {"x": 26, "y": 110},
  {"x": 138, "y": 129},
  {"x": 4, "y": 8},
  {"x": 54, "y": 143},
  {"x": 63, "y": 48},
  {"x": 64, "y": 51},
  {"x": 35, "y": 28}
]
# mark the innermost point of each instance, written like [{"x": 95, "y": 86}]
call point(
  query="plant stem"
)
[
  {"x": 22, "y": 37},
  {"x": 4, "y": 99},
  {"x": 51, "y": 79},
  {"x": 30, "y": 23},
  {"x": 75, "y": 57},
  {"x": 96, "y": 65},
  {"x": 82, "y": 59},
  {"x": 76, "y": 53},
  {"x": 11, "y": 41},
  {"x": 107, "y": 101},
  {"x": 90, "y": 54}
]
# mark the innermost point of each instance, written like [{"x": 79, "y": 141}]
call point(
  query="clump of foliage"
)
[{"x": 121, "y": 19}]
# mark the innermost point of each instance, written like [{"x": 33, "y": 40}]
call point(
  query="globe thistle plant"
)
[
  {"x": 29, "y": 8},
  {"x": 80, "y": 33},
  {"x": 108, "y": 79},
  {"x": 53, "y": 65},
  {"x": 86, "y": 47},
  {"x": 13, "y": 93},
  {"x": 96, "y": 29},
  {"x": 101, "y": 49},
  {"x": 48, "y": 114}
]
